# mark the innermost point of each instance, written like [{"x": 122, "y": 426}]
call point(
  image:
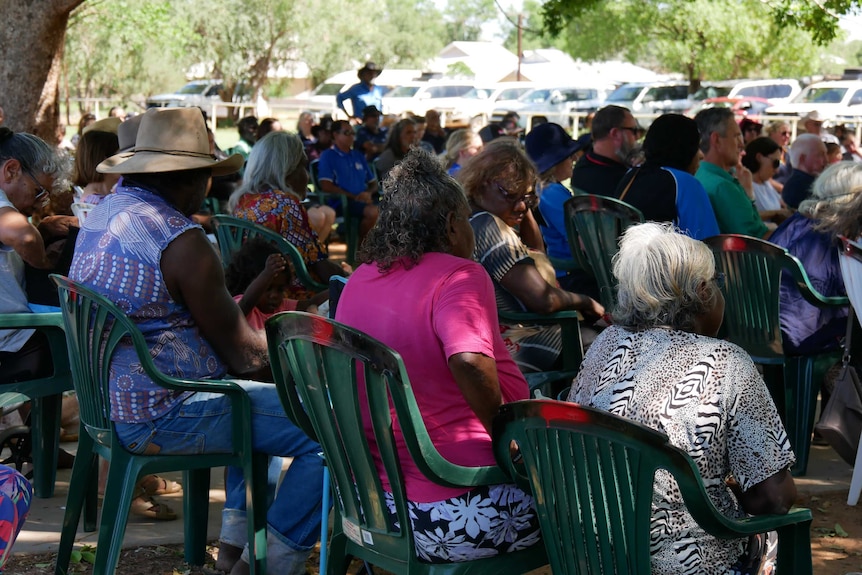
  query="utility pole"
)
[{"x": 520, "y": 38}]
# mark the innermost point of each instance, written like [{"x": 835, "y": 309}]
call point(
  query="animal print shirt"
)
[{"x": 708, "y": 397}]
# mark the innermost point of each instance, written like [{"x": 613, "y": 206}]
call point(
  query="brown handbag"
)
[{"x": 841, "y": 421}]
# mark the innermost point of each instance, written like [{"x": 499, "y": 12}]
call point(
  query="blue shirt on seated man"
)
[
  {"x": 344, "y": 171},
  {"x": 364, "y": 93}
]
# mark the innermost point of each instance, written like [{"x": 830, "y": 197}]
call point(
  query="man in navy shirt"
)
[
  {"x": 615, "y": 133},
  {"x": 808, "y": 156},
  {"x": 370, "y": 137},
  {"x": 343, "y": 170},
  {"x": 363, "y": 94}
]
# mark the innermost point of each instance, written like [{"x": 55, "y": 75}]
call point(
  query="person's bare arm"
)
[
  {"x": 526, "y": 283},
  {"x": 530, "y": 234},
  {"x": 325, "y": 269},
  {"x": 476, "y": 376},
  {"x": 194, "y": 277},
  {"x": 773, "y": 495},
  {"x": 20, "y": 235}
]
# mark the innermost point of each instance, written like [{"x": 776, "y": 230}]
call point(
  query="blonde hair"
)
[
  {"x": 661, "y": 275},
  {"x": 458, "y": 141}
]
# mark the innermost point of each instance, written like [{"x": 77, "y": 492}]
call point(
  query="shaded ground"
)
[{"x": 836, "y": 548}]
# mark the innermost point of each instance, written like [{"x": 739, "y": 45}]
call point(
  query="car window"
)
[
  {"x": 214, "y": 90},
  {"x": 192, "y": 88},
  {"x": 477, "y": 94},
  {"x": 536, "y": 96},
  {"x": 327, "y": 89},
  {"x": 512, "y": 93},
  {"x": 404, "y": 91},
  {"x": 625, "y": 94},
  {"x": 660, "y": 93},
  {"x": 856, "y": 99},
  {"x": 578, "y": 95},
  {"x": 824, "y": 95},
  {"x": 705, "y": 92}
]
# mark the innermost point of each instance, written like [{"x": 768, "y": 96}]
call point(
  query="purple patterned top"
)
[{"x": 118, "y": 255}]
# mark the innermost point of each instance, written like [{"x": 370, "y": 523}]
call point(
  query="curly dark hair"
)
[
  {"x": 419, "y": 197},
  {"x": 247, "y": 263}
]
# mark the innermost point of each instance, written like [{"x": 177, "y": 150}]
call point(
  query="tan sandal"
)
[
  {"x": 165, "y": 486},
  {"x": 145, "y": 506}
]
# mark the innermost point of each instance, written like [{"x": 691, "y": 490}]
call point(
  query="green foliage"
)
[
  {"x": 817, "y": 17},
  {"x": 122, "y": 48},
  {"x": 702, "y": 39},
  {"x": 464, "y": 18},
  {"x": 534, "y": 34}
]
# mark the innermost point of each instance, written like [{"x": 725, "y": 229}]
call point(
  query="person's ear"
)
[{"x": 9, "y": 170}]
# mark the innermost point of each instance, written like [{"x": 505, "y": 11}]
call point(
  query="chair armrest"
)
[
  {"x": 31, "y": 320},
  {"x": 569, "y": 322},
  {"x": 808, "y": 291},
  {"x": 540, "y": 318}
]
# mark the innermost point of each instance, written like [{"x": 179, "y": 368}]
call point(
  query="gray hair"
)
[
  {"x": 836, "y": 200},
  {"x": 661, "y": 275},
  {"x": 34, "y": 155},
  {"x": 271, "y": 160},
  {"x": 712, "y": 120},
  {"x": 804, "y": 144}
]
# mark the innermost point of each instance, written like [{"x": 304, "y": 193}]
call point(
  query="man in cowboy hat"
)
[
  {"x": 363, "y": 94},
  {"x": 141, "y": 250}
]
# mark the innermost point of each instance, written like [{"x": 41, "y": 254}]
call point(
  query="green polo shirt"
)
[{"x": 735, "y": 212}]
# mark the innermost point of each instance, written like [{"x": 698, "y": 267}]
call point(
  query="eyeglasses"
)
[
  {"x": 42, "y": 194},
  {"x": 635, "y": 130},
  {"x": 530, "y": 199},
  {"x": 720, "y": 280}
]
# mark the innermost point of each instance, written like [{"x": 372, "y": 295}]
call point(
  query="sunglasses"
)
[
  {"x": 530, "y": 199},
  {"x": 776, "y": 163},
  {"x": 635, "y": 130},
  {"x": 42, "y": 195}
]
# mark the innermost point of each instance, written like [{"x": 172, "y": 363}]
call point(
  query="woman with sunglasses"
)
[
  {"x": 499, "y": 185},
  {"x": 763, "y": 158}
]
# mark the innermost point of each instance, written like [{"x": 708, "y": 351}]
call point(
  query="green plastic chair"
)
[
  {"x": 46, "y": 395},
  {"x": 349, "y": 223},
  {"x": 95, "y": 328},
  {"x": 592, "y": 474},
  {"x": 315, "y": 362},
  {"x": 753, "y": 269},
  {"x": 231, "y": 232},
  {"x": 550, "y": 383},
  {"x": 594, "y": 225}
]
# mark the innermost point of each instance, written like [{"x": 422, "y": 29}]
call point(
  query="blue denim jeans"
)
[{"x": 202, "y": 424}]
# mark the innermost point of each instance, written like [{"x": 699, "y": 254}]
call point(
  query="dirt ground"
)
[{"x": 836, "y": 548}]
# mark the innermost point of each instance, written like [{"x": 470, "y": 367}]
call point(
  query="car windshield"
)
[
  {"x": 823, "y": 95},
  {"x": 705, "y": 92},
  {"x": 403, "y": 92},
  {"x": 512, "y": 93},
  {"x": 327, "y": 90},
  {"x": 578, "y": 95},
  {"x": 477, "y": 94},
  {"x": 193, "y": 88},
  {"x": 625, "y": 94},
  {"x": 534, "y": 96}
]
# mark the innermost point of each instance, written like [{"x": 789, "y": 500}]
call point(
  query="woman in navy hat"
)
[{"x": 553, "y": 151}]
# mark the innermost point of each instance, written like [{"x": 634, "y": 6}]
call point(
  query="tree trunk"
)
[{"x": 31, "y": 53}]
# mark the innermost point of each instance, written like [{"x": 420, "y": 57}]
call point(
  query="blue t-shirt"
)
[
  {"x": 360, "y": 96},
  {"x": 554, "y": 230},
  {"x": 363, "y": 135},
  {"x": 347, "y": 170}
]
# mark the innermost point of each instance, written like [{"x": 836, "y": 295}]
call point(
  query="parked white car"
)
[
  {"x": 831, "y": 99},
  {"x": 201, "y": 93},
  {"x": 777, "y": 90},
  {"x": 321, "y": 100},
  {"x": 559, "y": 105},
  {"x": 418, "y": 97},
  {"x": 474, "y": 108}
]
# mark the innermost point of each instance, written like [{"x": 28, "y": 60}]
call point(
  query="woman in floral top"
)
[
  {"x": 275, "y": 183},
  {"x": 661, "y": 365}
]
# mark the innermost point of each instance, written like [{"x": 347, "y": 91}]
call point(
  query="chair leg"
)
[
  {"x": 324, "y": 520},
  {"x": 856, "y": 482},
  {"x": 196, "y": 489},
  {"x": 123, "y": 476},
  {"x": 91, "y": 502},
  {"x": 82, "y": 475},
  {"x": 45, "y": 431},
  {"x": 256, "y": 507},
  {"x": 339, "y": 560}
]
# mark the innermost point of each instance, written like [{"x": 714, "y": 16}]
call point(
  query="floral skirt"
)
[
  {"x": 15, "y": 495},
  {"x": 484, "y": 522}
]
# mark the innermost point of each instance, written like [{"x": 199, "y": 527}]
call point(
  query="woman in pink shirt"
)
[{"x": 419, "y": 292}]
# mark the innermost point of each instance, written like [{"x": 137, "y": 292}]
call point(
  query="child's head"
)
[{"x": 248, "y": 263}]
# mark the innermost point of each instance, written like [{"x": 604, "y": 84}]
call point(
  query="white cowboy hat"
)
[{"x": 170, "y": 140}]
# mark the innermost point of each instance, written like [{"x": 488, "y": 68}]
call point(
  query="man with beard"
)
[
  {"x": 615, "y": 133},
  {"x": 727, "y": 182}
]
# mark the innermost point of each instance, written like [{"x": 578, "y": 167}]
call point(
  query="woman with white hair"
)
[
  {"x": 274, "y": 185},
  {"x": 661, "y": 365},
  {"x": 805, "y": 328}
]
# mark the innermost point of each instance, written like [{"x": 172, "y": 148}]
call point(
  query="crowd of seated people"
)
[{"x": 440, "y": 257}]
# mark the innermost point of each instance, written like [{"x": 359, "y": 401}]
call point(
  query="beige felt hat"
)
[
  {"x": 109, "y": 125},
  {"x": 170, "y": 140}
]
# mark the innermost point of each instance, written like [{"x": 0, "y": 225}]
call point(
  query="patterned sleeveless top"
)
[{"x": 117, "y": 254}]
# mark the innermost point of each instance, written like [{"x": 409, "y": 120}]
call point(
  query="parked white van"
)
[
  {"x": 418, "y": 97},
  {"x": 830, "y": 99}
]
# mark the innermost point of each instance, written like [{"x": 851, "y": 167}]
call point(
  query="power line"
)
[{"x": 515, "y": 24}]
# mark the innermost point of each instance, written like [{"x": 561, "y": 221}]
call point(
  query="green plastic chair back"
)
[
  {"x": 594, "y": 225},
  {"x": 753, "y": 269},
  {"x": 316, "y": 363},
  {"x": 592, "y": 475},
  {"x": 232, "y": 232},
  {"x": 350, "y": 223},
  {"x": 96, "y": 328},
  {"x": 46, "y": 395}
]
